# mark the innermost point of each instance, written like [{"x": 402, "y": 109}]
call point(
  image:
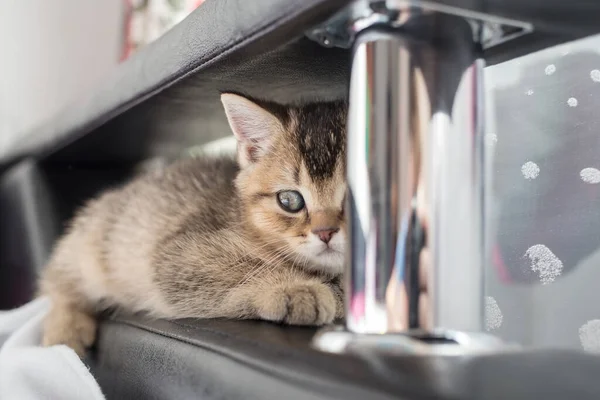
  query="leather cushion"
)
[{"x": 137, "y": 357}]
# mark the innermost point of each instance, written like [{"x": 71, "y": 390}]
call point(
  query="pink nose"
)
[{"x": 325, "y": 234}]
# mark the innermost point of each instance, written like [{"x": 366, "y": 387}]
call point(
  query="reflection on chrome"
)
[{"x": 415, "y": 176}]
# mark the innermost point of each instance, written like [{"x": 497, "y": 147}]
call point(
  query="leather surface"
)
[
  {"x": 36, "y": 201},
  {"x": 28, "y": 226},
  {"x": 140, "y": 358}
]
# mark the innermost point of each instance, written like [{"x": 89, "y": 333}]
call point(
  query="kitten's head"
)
[{"x": 292, "y": 178}]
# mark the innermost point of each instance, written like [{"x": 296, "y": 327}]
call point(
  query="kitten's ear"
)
[{"x": 252, "y": 125}]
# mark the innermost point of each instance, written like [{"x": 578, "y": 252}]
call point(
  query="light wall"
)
[{"x": 50, "y": 52}]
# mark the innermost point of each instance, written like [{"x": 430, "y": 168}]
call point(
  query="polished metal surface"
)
[
  {"x": 489, "y": 30},
  {"x": 415, "y": 176},
  {"x": 338, "y": 340},
  {"x": 341, "y": 29}
]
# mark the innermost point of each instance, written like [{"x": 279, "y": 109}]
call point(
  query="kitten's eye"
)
[{"x": 290, "y": 201}]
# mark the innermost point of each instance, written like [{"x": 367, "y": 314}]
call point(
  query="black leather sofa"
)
[{"x": 164, "y": 100}]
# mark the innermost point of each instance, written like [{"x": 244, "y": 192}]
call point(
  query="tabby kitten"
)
[{"x": 260, "y": 237}]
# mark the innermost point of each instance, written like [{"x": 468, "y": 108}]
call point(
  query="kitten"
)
[{"x": 260, "y": 237}]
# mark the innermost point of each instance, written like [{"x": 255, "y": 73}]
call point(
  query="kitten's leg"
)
[
  {"x": 338, "y": 292},
  {"x": 70, "y": 324},
  {"x": 70, "y": 320},
  {"x": 77, "y": 275}
]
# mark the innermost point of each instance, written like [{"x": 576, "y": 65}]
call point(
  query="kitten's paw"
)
[
  {"x": 299, "y": 304},
  {"x": 71, "y": 327},
  {"x": 340, "y": 309}
]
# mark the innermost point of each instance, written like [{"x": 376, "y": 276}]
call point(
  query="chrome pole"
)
[{"x": 415, "y": 176}]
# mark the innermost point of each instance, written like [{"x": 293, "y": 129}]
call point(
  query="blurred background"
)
[{"x": 47, "y": 44}]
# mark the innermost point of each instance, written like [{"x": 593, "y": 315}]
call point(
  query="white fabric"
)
[{"x": 31, "y": 372}]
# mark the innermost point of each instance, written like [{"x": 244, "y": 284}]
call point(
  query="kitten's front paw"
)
[{"x": 299, "y": 304}]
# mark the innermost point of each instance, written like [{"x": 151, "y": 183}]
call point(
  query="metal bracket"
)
[{"x": 341, "y": 29}]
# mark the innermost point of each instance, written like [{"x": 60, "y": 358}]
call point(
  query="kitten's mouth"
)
[{"x": 328, "y": 250}]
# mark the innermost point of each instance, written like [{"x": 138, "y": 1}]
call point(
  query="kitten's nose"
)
[{"x": 325, "y": 234}]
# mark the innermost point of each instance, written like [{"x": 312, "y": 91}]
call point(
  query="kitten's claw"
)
[
  {"x": 71, "y": 327},
  {"x": 299, "y": 304}
]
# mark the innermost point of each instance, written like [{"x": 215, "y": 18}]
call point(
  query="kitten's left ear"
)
[{"x": 252, "y": 125}]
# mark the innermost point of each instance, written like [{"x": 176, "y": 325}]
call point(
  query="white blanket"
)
[{"x": 31, "y": 372}]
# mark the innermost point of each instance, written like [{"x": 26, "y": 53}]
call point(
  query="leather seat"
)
[{"x": 137, "y": 358}]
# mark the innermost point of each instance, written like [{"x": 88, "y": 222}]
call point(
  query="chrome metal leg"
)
[{"x": 415, "y": 175}]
